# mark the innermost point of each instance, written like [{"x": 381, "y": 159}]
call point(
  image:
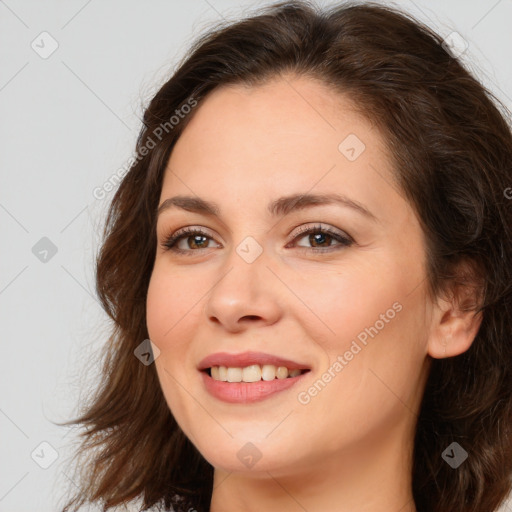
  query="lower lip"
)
[{"x": 246, "y": 392}]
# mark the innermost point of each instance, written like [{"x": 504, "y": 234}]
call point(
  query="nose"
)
[{"x": 246, "y": 294}]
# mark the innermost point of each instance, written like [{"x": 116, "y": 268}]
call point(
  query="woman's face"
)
[{"x": 343, "y": 307}]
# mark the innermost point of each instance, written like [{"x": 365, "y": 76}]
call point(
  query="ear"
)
[{"x": 455, "y": 320}]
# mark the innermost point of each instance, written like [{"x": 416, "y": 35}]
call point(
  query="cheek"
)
[
  {"x": 170, "y": 302},
  {"x": 170, "y": 314},
  {"x": 346, "y": 303},
  {"x": 174, "y": 310},
  {"x": 372, "y": 333}
]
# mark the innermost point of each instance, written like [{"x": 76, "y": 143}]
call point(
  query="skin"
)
[{"x": 350, "y": 447}]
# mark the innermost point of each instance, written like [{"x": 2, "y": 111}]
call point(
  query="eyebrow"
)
[{"x": 278, "y": 208}]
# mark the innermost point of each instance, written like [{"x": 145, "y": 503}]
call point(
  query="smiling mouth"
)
[
  {"x": 249, "y": 377},
  {"x": 253, "y": 373}
]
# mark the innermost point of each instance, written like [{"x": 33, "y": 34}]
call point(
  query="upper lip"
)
[{"x": 244, "y": 359}]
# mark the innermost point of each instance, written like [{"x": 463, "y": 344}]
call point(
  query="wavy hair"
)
[{"x": 451, "y": 144}]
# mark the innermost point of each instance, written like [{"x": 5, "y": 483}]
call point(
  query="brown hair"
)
[{"x": 452, "y": 149}]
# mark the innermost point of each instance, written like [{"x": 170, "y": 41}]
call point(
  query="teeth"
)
[
  {"x": 268, "y": 372},
  {"x": 282, "y": 372},
  {"x": 234, "y": 374},
  {"x": 252, "y": 373}
]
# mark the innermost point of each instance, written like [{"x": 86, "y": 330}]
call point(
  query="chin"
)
[{"x": 248, "y": 450}]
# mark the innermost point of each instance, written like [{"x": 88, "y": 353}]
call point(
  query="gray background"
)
[{"x": 68, "y": 122}]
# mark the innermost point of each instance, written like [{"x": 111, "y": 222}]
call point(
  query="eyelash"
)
[{"x": 344, "y": 241}]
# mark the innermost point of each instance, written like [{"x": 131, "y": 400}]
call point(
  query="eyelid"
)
[{"x": 320, "y": 226}]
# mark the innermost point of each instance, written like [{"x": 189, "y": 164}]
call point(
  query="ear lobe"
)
[
  {"x": 453, "y": 330},
  {"x": 456, "y": 314}
]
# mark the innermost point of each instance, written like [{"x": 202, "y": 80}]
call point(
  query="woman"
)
[{"x": 315, "y": 236}]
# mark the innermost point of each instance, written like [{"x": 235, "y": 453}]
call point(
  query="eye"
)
[
  {"x": 190, "y": 239},
  {"x": 321, "y": 239}
]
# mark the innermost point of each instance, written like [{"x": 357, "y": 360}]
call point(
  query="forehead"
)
[
  {"x": 289, "y": 105},
  {"x": 246, "y": 147},
  {"x": 288, "y": 124}
]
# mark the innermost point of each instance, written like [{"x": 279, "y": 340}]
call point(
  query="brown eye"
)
[
  {"x": 198, "y": 241},
  {"x": 322, "y": 238},
  {"x": 187, "y": 240}
]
